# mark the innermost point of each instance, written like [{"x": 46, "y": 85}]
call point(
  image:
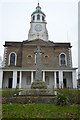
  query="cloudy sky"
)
[{"x": 61, "y": 17}]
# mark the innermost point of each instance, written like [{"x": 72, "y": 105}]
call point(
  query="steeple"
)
[{"x": 38, "y": 25}]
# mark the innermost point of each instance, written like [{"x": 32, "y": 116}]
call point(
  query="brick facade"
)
[{"x": 26, "y": 53}]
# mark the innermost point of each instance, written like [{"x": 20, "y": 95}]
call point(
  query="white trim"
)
[
  {"x": 44, "y": 76},
  {"x": 1, "y": 78},
  {"x": 70, "y": 57},
  {"x": 55, "y": 81},
  {"x": 20, "y": 79},
  {"x": 35, "y": 70},
  {"x": 32, "y": 76},
  {"x": 14, "y": 84},
  {"x": 60, "y": 58},
  {"x": 4, "y": 57},
  {"x": 74, "y": 79},
  {"x": 35, "y": 58},
  {"x": 15, "y": 58},
  {"x": 60, "y": 79}
]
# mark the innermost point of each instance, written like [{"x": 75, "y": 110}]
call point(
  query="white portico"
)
[{"x": 24, "y": 78}]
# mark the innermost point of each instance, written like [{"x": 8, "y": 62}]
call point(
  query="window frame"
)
[
  {"x": 38, "y": 17},
  {"x": 33, "y": 17},
  {"x": 9, "y": 63},
  {"x": 43, "y": 18},
  {"x": 60, "y": 59}
]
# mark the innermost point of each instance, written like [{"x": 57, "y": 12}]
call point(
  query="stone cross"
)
[{"x": 38, "y": 54}]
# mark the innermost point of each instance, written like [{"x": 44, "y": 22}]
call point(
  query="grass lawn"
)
[
  {"x": 9, "y": 92},
  {"x": 35, "y": 111},
  {"x": 39, "y": 111}
]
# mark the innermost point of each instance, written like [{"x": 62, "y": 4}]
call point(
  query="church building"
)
[{"x": 19, "y": 64}]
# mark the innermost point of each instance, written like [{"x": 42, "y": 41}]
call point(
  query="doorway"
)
[
  {"x": 64, "y": 82},
  {"x": 10, "y": 83}
]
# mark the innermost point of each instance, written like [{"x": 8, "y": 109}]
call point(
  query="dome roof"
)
[{"x": 38, "y": 10}]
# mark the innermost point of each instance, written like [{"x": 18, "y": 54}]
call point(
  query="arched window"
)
[
  {"x": 43, "y": 18},
  {"x": 33, "y": 17},
  {"x": 62, "y": 59},
  {"x": 12, "y": 58},
  {"x": 38, "y": 17}
]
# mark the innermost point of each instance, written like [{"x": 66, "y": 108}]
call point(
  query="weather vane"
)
[{"x": 38, "y": 2}]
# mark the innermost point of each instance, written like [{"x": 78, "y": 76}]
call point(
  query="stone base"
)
[{"x": 37, "y": 92}]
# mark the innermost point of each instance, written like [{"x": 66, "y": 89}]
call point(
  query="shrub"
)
[
  {"x": 62, "y": 99},
  {"x": 72, "y": 94},
  {"x": 39, "y": 84}
]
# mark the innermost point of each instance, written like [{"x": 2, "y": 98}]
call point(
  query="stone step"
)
[{"x": 30, "y": 99}]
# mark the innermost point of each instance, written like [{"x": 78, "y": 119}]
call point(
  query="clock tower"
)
[{"x": 38, "y": 25}]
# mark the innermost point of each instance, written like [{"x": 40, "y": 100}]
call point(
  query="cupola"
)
[
  {"x": 38, "y": 25},
  {"x": 38, "y": 15}
]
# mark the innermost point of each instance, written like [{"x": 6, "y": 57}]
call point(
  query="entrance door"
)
[
  {"x": 10, "y": 83},
  {"x": 64, "y": 82}
]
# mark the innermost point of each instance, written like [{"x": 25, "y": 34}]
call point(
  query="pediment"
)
[{"x": 38, "y": 42}]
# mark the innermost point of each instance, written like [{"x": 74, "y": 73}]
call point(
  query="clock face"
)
[{"x": 38, "y": 27}]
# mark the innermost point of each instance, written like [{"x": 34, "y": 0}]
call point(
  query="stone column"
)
[
  {"x": 74, "y": 79},
  {"x": 55, "y": 83},
  {"x": 20, "y": 79},
  {"x": 43, "y": 76},
  {"x": 1, "y": 78},
  {"x": 60, "y": 79},
  {"x": 38, "y": 54},
  {"x": 14, "y": 79},
  {"x": 31, "y": 76}
]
